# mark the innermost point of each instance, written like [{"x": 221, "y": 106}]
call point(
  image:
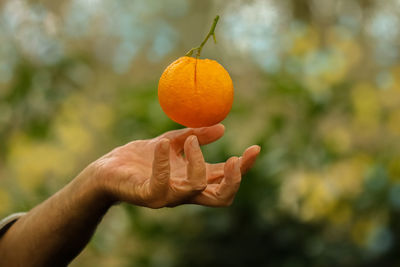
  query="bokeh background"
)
[{"x": 317, "y": 86}]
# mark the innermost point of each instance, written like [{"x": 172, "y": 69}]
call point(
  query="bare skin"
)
[{"x": 165, "y": 171}]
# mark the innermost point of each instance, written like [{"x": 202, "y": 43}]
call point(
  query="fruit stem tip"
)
[{"x": 210, "y": 33}]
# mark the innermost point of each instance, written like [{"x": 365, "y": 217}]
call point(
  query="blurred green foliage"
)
[{"x": 317, "y": 86}]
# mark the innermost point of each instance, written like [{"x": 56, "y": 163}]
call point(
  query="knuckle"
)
[
  {"x": 218, "y": 194},
  {"x": 198, "y": 187},
  {"x": 188, "y": 187},
  {"x": 163, "y": 163},
  {"x": 225, "y": 199},
  {"x": 174, "y": 189},
  {"x": 163, "y": 174}
]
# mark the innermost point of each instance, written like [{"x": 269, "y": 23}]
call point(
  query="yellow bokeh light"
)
[{"x": 366, "y": 105}]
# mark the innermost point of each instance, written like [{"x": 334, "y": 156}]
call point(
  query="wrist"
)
[{"x": 93, "y": 189}]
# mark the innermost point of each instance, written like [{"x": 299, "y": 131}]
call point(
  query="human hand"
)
[{"x": 170, "y": 170}]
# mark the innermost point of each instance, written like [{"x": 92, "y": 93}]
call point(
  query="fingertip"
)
[
  {"x": 164, "y": 143},
  {"x": 249, "y": 157},
  {"x": 190, "y": 140},
  {"x": 251, "y": 151},
  {"x": 240, "y": 160},
  {"x": 236, "y": 163},
  {"x": 190, "y": 145},
  {"x": 194, "y": 141},
  {"x": 216, "y": 128},
  {"x": 221, "y": 126},
  {"x": 187, "y": 140},
  {"x": 162, "y": 147}
]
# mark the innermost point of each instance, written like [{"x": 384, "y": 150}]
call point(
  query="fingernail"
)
[
  {"x": 164, "y": 144},
  {"x": 234, "y": 160},
  {"x": 194, "y": 141}
]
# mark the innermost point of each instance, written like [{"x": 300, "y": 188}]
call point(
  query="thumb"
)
[{"x": 159, "y": 180}]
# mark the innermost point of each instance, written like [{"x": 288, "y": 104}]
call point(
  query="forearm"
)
[
  {"x": 55, "y": 232},
  {"x": 151, "y": 173}
]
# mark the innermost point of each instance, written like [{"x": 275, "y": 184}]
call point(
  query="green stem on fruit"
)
[{"x": 200, "y": 47}]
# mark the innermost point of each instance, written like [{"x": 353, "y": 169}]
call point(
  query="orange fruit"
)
[{"x": 195, "y": 92}]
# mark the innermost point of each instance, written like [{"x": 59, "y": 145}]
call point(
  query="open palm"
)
[{"x": 170, "y": 170}]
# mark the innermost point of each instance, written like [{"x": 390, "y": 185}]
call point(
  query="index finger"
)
[{"x": 205, "y": 135}]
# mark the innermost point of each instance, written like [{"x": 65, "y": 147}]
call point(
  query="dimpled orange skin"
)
[{"x": 195, "y": 94}]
